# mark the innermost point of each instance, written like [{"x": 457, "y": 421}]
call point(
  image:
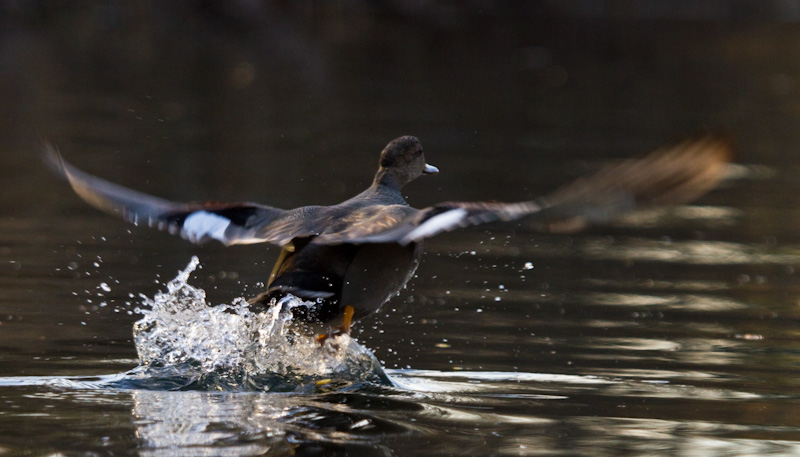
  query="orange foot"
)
[{"x": 343, "y": 330}]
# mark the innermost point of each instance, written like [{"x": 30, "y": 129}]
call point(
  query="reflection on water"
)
[
  {"x": 662, "y": 301},
  {"x": 690, "y": 252},
  {"x": 515, "y": 409},
  {"x": 704, "y": 216},
  {"x": 169, "y": 422},
  {"x": 210, "y": 382}
]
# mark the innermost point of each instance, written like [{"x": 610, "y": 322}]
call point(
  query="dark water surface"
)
[{"x": 667, "y": 333}]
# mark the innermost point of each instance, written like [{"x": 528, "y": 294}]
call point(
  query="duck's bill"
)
[{"x": 430, "y": 169}]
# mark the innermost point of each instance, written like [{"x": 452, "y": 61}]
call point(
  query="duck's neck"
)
[
  {"x": 388, "y": 180},
  {"x": 385, "y": 188}
]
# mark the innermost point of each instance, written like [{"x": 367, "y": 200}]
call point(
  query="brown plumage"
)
[{"x": 350, "y": 258}]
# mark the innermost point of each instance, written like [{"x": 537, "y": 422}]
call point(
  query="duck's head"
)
[{"x": 402, "y": 161}]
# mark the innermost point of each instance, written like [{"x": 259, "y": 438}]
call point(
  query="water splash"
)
[{"x": 185, "y": 344}]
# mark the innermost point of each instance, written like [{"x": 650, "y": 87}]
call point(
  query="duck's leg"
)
[
  {"x": 286, "y": 251},
  {"x": 348, "y": 319},
  {"x": 264, "y": 298},
  {"x": 344, "y": 329}
]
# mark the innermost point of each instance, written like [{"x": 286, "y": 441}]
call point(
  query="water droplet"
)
[{"x": 179, "y": 328}]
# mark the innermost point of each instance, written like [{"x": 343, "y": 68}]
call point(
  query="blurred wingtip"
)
[
  {"x": 711, "y": 154},
  {"x": 51, "y": 157},
  {"x": 717, "y": 145},
  {"x": 672, "y": 175}
]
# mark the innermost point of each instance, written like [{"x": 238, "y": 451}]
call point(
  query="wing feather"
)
[
  {"x": 668, "y": 176},
  {"x": 229, "y": 223}
]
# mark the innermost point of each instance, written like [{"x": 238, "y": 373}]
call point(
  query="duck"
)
[{"x": 345, "y": 261}]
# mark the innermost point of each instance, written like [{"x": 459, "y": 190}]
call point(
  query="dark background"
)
[{"x": 289, "y": 104}]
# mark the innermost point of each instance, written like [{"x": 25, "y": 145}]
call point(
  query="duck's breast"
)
[{"x": 377, "y": 273}]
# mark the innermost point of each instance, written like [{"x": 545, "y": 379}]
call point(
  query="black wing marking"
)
[{"x": 229, "y": 223}]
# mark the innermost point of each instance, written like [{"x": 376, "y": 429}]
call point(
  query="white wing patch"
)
[
  {"x": 202, "y": 225},
  {"x": 439, "y": 223}
]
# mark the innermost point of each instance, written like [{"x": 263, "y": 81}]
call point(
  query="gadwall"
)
[{"x": 348, "y": 259}]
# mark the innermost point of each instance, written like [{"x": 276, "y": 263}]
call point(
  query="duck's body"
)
[
  {"x": 363, "y": 276},
  {"x": 348, "y": 259}
]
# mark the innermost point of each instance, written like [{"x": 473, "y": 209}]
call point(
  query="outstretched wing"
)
[
  {"x": 229, "y": 223},
  {"x": 667, "y": 176}
]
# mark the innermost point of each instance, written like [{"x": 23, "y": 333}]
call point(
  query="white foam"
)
[{"x": 179, "y": 328}]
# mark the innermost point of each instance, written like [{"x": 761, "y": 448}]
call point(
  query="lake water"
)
[{"x": 664, "y": 333}]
